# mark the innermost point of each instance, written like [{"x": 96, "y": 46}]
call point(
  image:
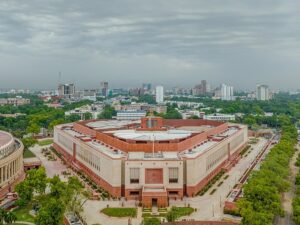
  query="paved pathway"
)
[
  {"x": 23, "y": 222},
  {"x": 52, "y": 167},
  {"x": 288, "y": 196},
  {"x": 210, "y": 207},
  {"x": 92, "y": 213}
]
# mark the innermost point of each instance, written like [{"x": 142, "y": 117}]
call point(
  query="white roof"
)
[
  {"x": 151, "y": 135},
  {"x": 198, "y": 150},
  {"x": 111, "y": 124}
]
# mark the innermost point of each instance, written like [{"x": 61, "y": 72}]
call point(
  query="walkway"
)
[
  {"x": 24, "y": 222},
  {"x": 210, "y": 207},
  {"x": 52, "y": 167},
  {"x": 288, "y": 196}
]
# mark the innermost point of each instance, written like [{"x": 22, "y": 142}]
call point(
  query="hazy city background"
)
[{"x": 130, "y": 42}]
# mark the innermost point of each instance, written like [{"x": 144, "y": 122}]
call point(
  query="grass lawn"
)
[
  {"x": 45, "y": 142},
  {"x": 28, "y": 154},
  {"x": 120, "y": 212},
  {"x": 182, "y": 211},
  {"x": 22, "y": 214},
  {"x": 151, "y": 221}
]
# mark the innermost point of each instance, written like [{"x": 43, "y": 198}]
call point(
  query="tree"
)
[
  {"x": 51, "y": 212},
  {"x": 28, "y": 142},
  {"x": 261, "y": 201},
  {"x": 57, "y": 187},
  {"x": 171, "y": 216},
  {"x": 37, "y": 178},
  {"x": 87, "y": 116},
  {"x": 33, "y": 128},
  {"x": 25, "y": 192},
  {"x": 56, "y": 122},
  {"x": 76, "y": 195},
  {"x": 10, "y": 218},
  {"x": 2, "y": 216},
  {"x": 107, "y": 113},
  {"x": 194, "y": 117}
]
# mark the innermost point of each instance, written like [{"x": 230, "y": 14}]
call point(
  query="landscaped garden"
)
[
  {"x": 22, "y": 213},
  {"x": 173, "y": 214},
  {"x": 151, "y": 221},
  {"x": 28, "y": 154},
  {"x": 120, "y": 212},
  {"x": 45, "y": 142},
  {"x": 50, "y": 205},
  {"x": 211, "y": 183},
  {"x": 178, "y": 212}
]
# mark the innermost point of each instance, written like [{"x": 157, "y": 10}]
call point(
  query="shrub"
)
[{"x": 120, "y": 212}]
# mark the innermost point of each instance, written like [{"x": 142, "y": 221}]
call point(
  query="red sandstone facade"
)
[
  {"x": 153, "y": 160},
  {"x": 11, "y": 163}
]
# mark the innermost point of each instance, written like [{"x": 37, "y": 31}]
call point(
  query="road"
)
[{"x": 210, "y": 207}]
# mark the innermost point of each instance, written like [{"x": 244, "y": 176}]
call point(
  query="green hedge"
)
[
  {"x": 262, "y": 194},
  {"x": 120, "y": 212}
]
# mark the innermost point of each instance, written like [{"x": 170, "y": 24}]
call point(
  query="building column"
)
[
  {"x": 4, "y": 173},
  {"x": 1, "y": 175}
]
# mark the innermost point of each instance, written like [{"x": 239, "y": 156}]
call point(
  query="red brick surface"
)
[
  {"x": 154, "y": 176},
  {"x": 201, "y": 223}
]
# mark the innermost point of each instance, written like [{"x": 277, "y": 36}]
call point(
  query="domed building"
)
[{"x": 11, "y": 163}]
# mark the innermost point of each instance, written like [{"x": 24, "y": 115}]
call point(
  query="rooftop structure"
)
[
  {"x": 94, "y": 110},
  {"x": 14, "y": 101},
  {"x": 130, "y": 114},
  {"x": 151, "y": 159},
  {"x": 220, "y": 117}
]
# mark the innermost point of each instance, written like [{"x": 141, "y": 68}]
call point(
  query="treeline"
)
[
  {"x": 36, "y": 115},
  {"x": 296, "y": 200},
  {"x": 50, "y": 198},
  {"x": 281, "y": 104},
  {"x": 261, "y": 202}
]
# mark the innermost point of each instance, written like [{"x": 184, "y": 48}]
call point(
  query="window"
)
[
  {"x": 134, "y": 193},
  {"x": 134, "y": 175},
  {"x": 173, "y": 175}
]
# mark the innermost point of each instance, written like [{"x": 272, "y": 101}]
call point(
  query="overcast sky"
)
[{"x": 169, "y": 42}]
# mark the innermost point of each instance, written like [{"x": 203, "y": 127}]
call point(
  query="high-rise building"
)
[
  {"x": 262, "y": 92},
  {"x": 226, "y": 92},
  {"x": 147, "y": 86},
  {"x": 104, "y": 88},
  {"x": 137, "y": 91},
  {"x": 200, "y": 89},
  {"x": 66, "y": 90},
  {"x": 159, "y": 94}
]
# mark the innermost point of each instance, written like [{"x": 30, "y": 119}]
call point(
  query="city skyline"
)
[{"x": 155, "y": 42}]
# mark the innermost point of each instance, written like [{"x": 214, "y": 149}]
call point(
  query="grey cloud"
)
[{"x": 128, "y": 42}]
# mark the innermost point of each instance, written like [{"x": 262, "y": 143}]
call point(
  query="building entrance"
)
[{"x": 154, "y": 202}]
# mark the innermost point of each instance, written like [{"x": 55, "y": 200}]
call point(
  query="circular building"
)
[{"x": 11, "y": 162}]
